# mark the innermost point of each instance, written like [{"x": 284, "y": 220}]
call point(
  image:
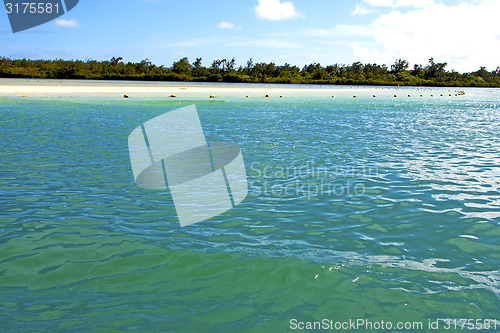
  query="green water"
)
[{"x": 377, "y": 209}]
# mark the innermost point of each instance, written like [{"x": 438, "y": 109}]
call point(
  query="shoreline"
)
[{"x": 81, "y": 88}]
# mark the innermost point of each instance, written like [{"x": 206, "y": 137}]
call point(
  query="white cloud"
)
[
  {"x": 71, "y": 23},
  {"x": 400, "y": 3},
  {"x": 361, "y": 11},
  {"x": 225, "y": 25},
  {"x": 465, "y": 35},
  {"x": 275, "y": 10},
  {"x": 380, "y": 3},
  {"x": 414, "y": 3}
]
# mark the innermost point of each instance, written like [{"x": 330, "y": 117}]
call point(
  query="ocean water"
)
[{"x": 359, "y": 209}]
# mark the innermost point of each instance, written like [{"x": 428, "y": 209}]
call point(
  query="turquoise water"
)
[{"x": 369, "y": 208}]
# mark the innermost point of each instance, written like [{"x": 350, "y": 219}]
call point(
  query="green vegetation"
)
[{"x": 223, "y": 70}]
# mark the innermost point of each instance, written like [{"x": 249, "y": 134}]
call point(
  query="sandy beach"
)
[{"x": 87, "y": 88}]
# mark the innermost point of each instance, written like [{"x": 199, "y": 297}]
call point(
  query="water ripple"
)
[{"x": 388, "y": 203}]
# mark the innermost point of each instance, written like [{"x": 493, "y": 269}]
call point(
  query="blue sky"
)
[{"x": 463, "y": 33}]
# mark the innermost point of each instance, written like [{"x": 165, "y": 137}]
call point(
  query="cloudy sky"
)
[{"x": 464, "y": 33}]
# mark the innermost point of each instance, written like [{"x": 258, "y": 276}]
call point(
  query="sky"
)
[{"x": 463, "y": 33}]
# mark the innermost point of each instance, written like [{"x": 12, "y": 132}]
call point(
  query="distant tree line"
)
[{"x": 224, "y": 70}]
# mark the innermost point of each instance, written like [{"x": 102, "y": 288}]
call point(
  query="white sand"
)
[{"x": 88, "y": 88}]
